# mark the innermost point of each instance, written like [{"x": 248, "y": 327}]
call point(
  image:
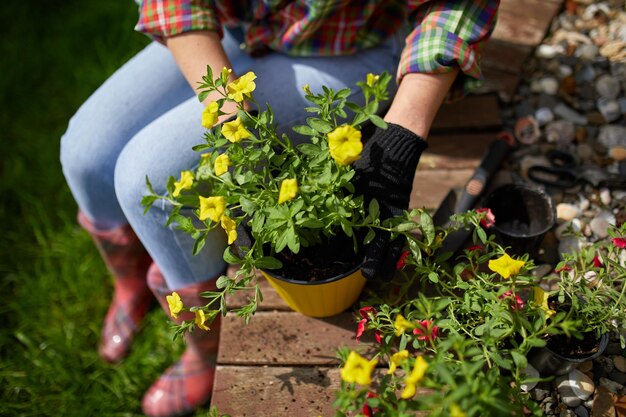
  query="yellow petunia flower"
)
[
  {"x": 185, "y": 182},
  {"x": 371, "y": 79},
  {"x": 175, "y": 304},
  {"x": 200, "y": 319},
  {"x": 397, "y": 359},
  {"x": 230, "y": 227},
  {"x": 506, "y": 266},
  {"x": 541, "y": 298},
  {"x": 221, "y": 164},
  {"x": 402, "y": 325},
  {"x": 235, "y": 131},
  {"x": 416, "y": 375},
  {"x": 288, "y": 190},
  {"x": 358, "y": 369},
  {"x": 345, "y": 144},
  {"x": 210, "y": 114},
  {"x": 212, "y": 208},
  {"x": 455, "y": 411},
  {"x": 241, "y": 87}
]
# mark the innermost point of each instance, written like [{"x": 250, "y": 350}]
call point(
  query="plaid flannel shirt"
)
[{"x": 445, "y": 33}]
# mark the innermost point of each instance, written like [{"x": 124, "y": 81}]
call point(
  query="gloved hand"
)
[{"x": 385, "y": 172}]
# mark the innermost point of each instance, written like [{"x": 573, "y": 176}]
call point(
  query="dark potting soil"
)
[
  {"x": 573, "y": 348},
  {"x": 331, "y": 258}
]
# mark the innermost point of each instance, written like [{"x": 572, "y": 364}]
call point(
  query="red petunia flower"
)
[
  {"x": 368, "y": 411},
  {"x": 489, "y": 219},
  {"x": 597, "y": 262},
  {"x": 365, "y": 315},
  {"x": 620, "y": 242},
  {"x": 475, "y": 248},
  {"x": 563, "y": 268},
  {"x": 379, "y": 336},
  {"x": 365, "y": 312},
  {"x": 360, "y": 328},
  {"x": 402, "y": 260},
  {"x": 425, "y": 330},
  {"x": 519, "y": 303}
]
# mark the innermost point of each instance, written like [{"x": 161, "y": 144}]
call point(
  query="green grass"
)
[{"x": 55, "y": 288}]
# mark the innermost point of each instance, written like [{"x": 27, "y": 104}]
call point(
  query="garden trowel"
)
[{"x": 454, "y": 203}]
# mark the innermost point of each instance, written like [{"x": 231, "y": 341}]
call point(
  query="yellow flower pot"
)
[{"x": 322, "y": 298}]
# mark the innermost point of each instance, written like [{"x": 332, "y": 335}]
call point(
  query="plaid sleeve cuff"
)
[
  {"x": 161, "y": 19},
  {"x": 450, "y": 34}
]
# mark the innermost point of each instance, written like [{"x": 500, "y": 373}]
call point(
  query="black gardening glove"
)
[{"x": 385, "y": 172}]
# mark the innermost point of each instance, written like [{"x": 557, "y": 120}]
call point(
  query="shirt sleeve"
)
[
  {"x": 161, "y": 19},
  {"x": 448, "y": 34}
]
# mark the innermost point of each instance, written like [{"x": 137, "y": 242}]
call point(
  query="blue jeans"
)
[{"x": 144, "y": 120}]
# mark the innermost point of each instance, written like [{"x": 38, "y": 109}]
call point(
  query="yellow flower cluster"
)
[
  {"x": 401, "y": 325},
  {"x": 235, "y": 131},
  {"x": 506, "y": 266},
  {"x": 416, "y": 375},
  {"x": 175, "y": 304},
  {"x": 221, "y": 164},
  {"x": 358, "y": 369},
  {"x": 184, "y": 183},
  {"x": 345, "y": 145},
  {"x": 210, "y": 114},
  {"x": 241, "y": 87},
  {"x": 288, "y": 190}
]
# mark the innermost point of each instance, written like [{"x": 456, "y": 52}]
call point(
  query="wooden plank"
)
[
  {"x": 287, "y": 339},
  {"x": 275, "y": 391},
  {"x": 499, "y": 82},
  {"x": 471, "y": 113},
  {"x": 505, "y": 56},
  {"x": 430, "y": 186},
  {"x": 271, "y": 299},
  {"x": 455, "y": 151},
  {"x": 524, "y": 24}
]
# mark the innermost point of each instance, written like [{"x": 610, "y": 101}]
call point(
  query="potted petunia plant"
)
[
  {"x": 290, "y": 211},
  {"x": 454, "y": 337}
]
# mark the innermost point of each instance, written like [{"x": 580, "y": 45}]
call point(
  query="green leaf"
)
[
  {"x": 247, "y": 205},
  {"x": 304, "y": 130},
  {"x": 379, "y": 122},
  {"x": 428, "y": 227},
  {"x": 199, "y": 244},
  {"x": 433, "y": 276},
  {"x": 371, "y": 234},
  {"x": 519, "y": 359},
  {"x": 481, "y": 234},
  {"x": 320, "y": 125},
  {"x": 268, "y": 262},
  {"x": 309, "y": 149},
  {"x": 406, "y": 226},
  {"x": 184, "y": 223},
  {"x": 373, "y": 209},
  {"x": 230, "y": 257},
  {"x": 223, "y": 281},
  {"x": 311, "y": 223}
]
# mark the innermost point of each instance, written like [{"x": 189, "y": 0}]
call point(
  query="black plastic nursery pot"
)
[
  {"x": 523, "y": 215},
  {"x": 322, "y": 297},
  {"x": 550, "y": 362}
]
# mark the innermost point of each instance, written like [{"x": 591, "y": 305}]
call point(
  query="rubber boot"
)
[
  {"x": 188, "y": 383},
  {"x": 128, "y": 262}
]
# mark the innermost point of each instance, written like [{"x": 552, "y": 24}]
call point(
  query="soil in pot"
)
[
  {"x": 570, "y": 347},
  {"x": 335, "y": 256}
]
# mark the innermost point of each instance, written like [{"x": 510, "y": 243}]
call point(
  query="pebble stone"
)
[{"x": 573, "y": 98}]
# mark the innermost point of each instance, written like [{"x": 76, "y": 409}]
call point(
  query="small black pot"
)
[
  {"x": 548, "y": 362},
  {"x": 524, "y": 215}
]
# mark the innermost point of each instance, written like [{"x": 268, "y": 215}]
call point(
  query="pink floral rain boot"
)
[
  {"x": 188, "y": 383},
  {"x": 128, "y": 261}
]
